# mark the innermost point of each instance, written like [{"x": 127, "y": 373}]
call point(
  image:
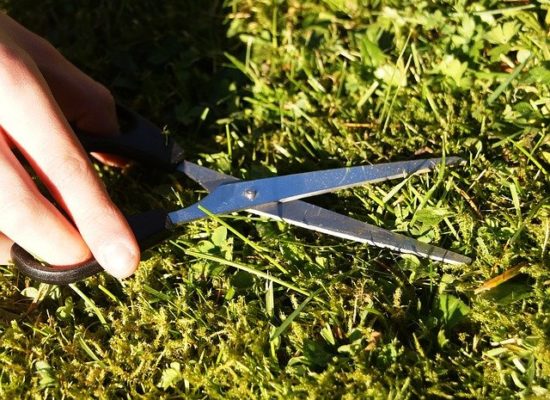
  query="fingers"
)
[
  {"x": 85, "y": 102},
  {"x": 112, "y": 160},
  {"x": 5, "y": 246},
  {"x": 34, "y": 122},
  {"x": 29, "y": 219}
]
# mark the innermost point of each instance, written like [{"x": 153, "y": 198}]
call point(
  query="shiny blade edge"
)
[
  {"x": 318, "y": 219},
  {"x": 240, "y": 195},
  {"x": 206, "y": 177}
]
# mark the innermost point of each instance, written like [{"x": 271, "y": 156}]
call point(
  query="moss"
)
[{"x": 258, "y": 88}]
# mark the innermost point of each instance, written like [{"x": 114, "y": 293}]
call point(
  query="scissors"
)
[{"x": 275, "y": 197}]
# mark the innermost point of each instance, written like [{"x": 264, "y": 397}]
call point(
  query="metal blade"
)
[
  {"x": 305, "y": 215},
  {"x": 206, "y": 177},
  {"x": 315, "y": 218},
  {"x": 240, "y": 195}
]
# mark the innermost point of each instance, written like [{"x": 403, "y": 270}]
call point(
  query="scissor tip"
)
[{"x": 452, "y": 160}]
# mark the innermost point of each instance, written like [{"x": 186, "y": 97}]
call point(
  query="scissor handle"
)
[
  {"x": 149, "y": 228},
  {"x": 139, "y": 140}
]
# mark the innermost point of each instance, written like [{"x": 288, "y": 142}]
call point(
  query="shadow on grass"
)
[{"x": 164, "y": 59}]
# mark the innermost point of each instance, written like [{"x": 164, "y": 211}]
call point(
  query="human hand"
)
[{"x": 39, "y": 92}]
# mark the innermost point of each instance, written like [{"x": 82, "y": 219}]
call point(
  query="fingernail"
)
[{"x": 118, "y": 259}]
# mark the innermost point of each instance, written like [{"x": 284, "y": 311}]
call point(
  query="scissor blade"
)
[
  {"x": 307, "y": 184},
  {"x": 315, "y": 218},
  {"x": 239, "y": 195},
  {"x": 206, "y": 177},
  {"x": 308, "y": 216}
]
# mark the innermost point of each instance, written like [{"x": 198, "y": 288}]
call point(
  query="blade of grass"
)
[
  {"x": 439, "y": 181},
  {"x": 367, "y": 95},
  {"x": 546, "y": 238},
  {"x": 157, "y": 294},
  {"x": 530, "y": 157},
  {"x": 499, "y": 279},
  {"x": 244, "y": 267},
  {"x": 90, "y": 304},
  {"x": 397, "y": 90},
  {"x": 427, "y": 94},
  {"x": 505, "y": 10},
  {"x": 515, "y": 199},
  {"x": 507, "y": 82},
  {"x": 288, "y": 320},
  {"x": 261, "y": 251},
  {"x": 543, "y": 203},
  {"x": 109, "y": 294},
  {"x": 386, "y": 109},
  {"x": 90, "y": 352},
  {"x": 269, "y": 298}
]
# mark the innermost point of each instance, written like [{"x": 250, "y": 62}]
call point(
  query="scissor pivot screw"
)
[{"x": 250, "y": 194}]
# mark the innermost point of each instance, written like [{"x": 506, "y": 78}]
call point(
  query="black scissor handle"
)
[
  {"x": 139, "y": 140},
  {"x": 149, "y": 228}
]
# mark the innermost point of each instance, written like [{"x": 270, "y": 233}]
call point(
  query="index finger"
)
[{"x": 34, "y": 122}]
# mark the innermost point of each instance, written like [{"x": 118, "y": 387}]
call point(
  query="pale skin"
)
[{"x": 40, "y": 92}]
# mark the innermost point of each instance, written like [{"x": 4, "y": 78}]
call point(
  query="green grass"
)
[{"x": 242, "y": 307}]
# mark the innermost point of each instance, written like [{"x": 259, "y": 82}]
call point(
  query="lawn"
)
[{"x": 257, "y": 88}]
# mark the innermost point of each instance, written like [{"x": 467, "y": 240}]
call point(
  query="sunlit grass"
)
[{"x": 244, "y": 307}]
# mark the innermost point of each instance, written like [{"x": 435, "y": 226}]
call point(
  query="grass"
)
[{"x": 242, "y": 307}]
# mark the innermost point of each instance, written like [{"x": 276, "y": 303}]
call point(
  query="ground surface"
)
[{"x": 258, "y": 88}]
